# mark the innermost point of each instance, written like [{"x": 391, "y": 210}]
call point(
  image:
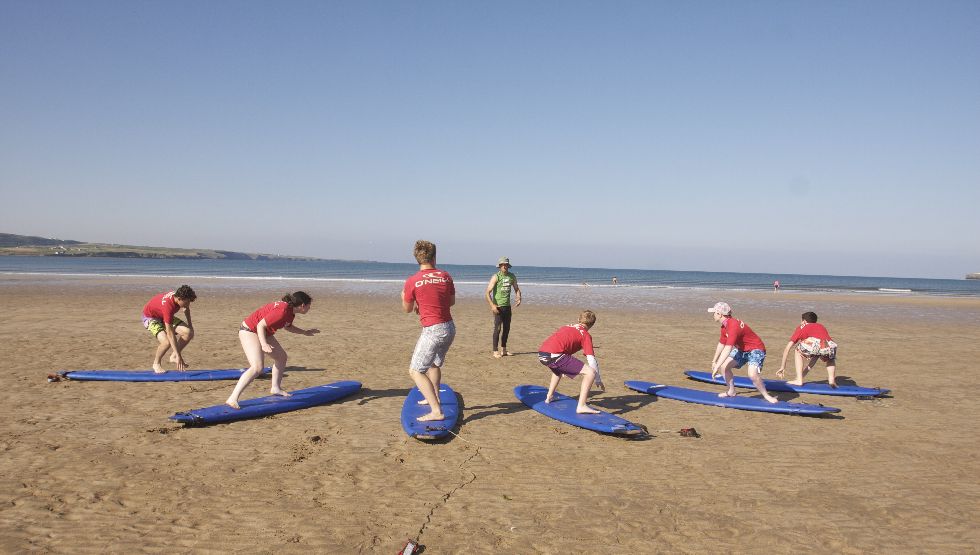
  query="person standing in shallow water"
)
[
  {"x": 256, "y": 334},
  {"x": 498, "y": 295},
  {"x": 430, "y": 293}
]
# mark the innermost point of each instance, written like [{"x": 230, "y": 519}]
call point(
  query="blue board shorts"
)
[
  {"x": 755, "y": 357},
  {"x": 432, "y": 346}
]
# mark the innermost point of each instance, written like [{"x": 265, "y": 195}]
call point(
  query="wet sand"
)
[{"x": 97, "y": 467}]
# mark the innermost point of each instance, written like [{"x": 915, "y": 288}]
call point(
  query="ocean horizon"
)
[{"x": 469, "y": 275}]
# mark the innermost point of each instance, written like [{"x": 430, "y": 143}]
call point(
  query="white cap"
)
[{"x": 721, "y": 308}]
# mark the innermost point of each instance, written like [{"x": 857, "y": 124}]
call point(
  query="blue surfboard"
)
[
  {"x": 435, "y": 429},
  {"x": 151, "y": 376},
  {"x": 562, "y": 408},
  {"x": 712, "y": 398},
  {"x": 266, "y": 406},
  {"x": 778, "y": 385}
]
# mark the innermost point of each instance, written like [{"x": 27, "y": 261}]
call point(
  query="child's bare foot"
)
[
  {"x": 726, "y": 394},
  {"x": 833, "y": 385},
  {"x": 496, "y": 354},
  {"x": 232, "y": 404},
  {"x": 547, "y": 399},
  {"x": 795, "y": 382},
  {"x": 585, "y": 409},
  {"x": 507, "y": 353},
  {"x": 280, "y": 393},
  {"x": 770, "y": 398},
  {"x": 431, "y": 416},
  {"x": 157, "y": 368}
]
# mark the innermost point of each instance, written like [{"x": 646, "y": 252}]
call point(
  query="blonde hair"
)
[
  {"x": 587, "y": 317},
  {"x": 425, "y": 252}
]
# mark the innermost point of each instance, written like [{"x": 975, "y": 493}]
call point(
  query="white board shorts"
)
[{"x": 432, "y": 346}]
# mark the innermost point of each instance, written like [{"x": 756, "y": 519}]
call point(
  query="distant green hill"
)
[{"x": 26, "y": 245}]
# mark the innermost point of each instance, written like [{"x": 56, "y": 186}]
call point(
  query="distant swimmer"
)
[
  {"x": 170, "y": 331},
  {"x": 257, "y": 335},
  {"x": 430, "y": 293},
  {"x": 615, "y": 280},
  {"x": 556, "y": 353},
  {"x": 813, "y": 343},
  {"x": 498, "y": 295},
  {"x": 737, "y": 345},
  {"x": 775, "y": 286}
]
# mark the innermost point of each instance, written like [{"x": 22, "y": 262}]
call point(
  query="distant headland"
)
[
  {"x": 26, "y": 245},
  {"x": 973, "y": 276}
]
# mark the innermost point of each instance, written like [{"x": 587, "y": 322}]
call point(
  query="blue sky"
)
[{"x": 784, "y": 136}]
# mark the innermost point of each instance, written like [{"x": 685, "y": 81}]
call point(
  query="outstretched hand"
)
[{"x": 780, "y": 372}]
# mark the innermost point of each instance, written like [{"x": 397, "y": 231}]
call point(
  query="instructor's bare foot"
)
[
  {"x": 586, "y": 410},
  {"x": 431, "y": 416},
  {"x": 157, "y": 369},
  {"x": 280, "y": 393},
  {"x": 726, "y": 394},
  {"x": 232, "y": 404}
]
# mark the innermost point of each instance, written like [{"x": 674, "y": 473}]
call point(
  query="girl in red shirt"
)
[{"x": 257, "y": 336}]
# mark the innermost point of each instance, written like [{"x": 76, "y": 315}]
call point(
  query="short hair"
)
[
  {"x": 809, "y": 317},
  {"x": 587, "y": 317},
  {"x": 425, "y": 252},
  {"x": 185, "y": 292},
  {"x": 298, "y": 298}
]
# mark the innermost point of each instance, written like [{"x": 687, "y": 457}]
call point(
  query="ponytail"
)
[{"x": 298, "y": 298}]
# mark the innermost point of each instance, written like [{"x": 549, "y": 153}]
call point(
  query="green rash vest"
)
[{"x": 501, "y": 289}]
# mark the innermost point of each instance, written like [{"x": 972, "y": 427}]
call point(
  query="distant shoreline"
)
[{"x": 28, "y": 245}]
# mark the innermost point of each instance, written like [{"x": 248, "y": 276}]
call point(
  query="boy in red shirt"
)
[
  {"x": 170, "y": 332},
  {"x": 738, "y": 345},
  {"x": 814, "y": 344},
  {"x": 430, "y": 293},
  {"x": 556, "y": 353}
]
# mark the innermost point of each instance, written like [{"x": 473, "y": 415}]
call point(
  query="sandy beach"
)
[{"x": 92, "y": 467}]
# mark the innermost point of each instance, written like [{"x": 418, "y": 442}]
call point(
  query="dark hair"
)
[
  {"x": 810, "y": 317},
  {"x": 185, "y": 292},
  {"x": 298, "y": 298}
]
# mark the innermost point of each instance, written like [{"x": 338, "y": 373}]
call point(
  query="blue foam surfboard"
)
[
  {"x": 151, "y": 376},
  {"x": 562, "y": 408},
  {"x": 778, "y": 385},
  {"x": 433, "y": 429},
  {"x": 712, "y": 398},
  {"x": 266, "y": 406}
]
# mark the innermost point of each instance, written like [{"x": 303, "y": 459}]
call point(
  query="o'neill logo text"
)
[{"x": 430, "y": 278}]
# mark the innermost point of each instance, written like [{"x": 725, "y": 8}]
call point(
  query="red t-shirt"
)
[
  {"x": 277, "y": 315},
  {"x": 162, "y": 307},
  {"x": 738, "y": 334},
  {"x": 810, "y": 330},
  {"x": 569, "y": 339},
  {"x": 432, "y": 291}
]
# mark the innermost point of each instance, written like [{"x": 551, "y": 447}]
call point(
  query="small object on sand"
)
[
  {"x": 689, "y": 432},
  {"x": 412, "y": 547},
  {"x": 54, "y": 378}
]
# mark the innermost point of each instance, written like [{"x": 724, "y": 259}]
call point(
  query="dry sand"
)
[{"x": 97, "y": 467}]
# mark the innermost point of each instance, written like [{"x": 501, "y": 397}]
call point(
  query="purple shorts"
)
[{"x": 561, "y": 364}]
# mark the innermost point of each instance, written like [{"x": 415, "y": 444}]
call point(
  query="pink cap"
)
[{"x": 721, "y": 308}]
